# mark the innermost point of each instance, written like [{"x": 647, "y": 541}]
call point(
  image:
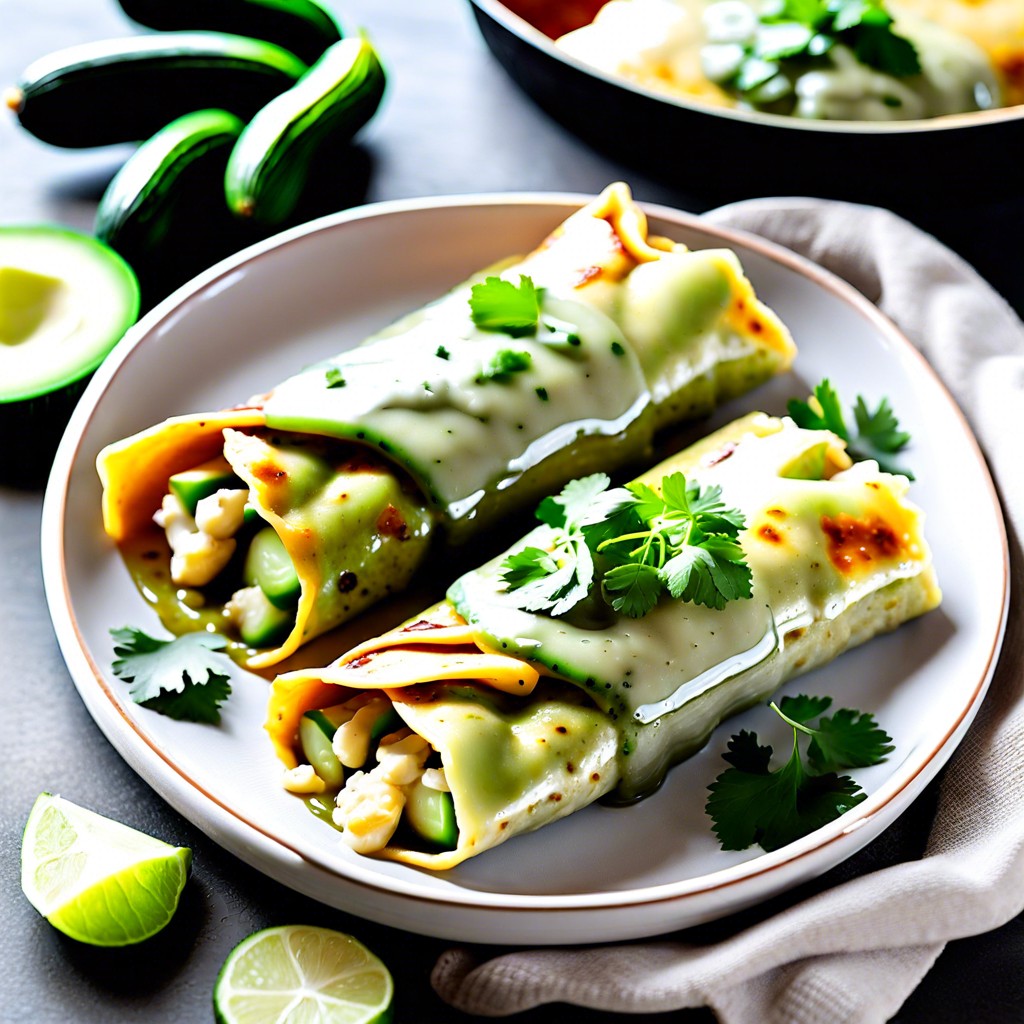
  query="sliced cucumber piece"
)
[
  {"x": 387, "y": 722},
  {"x": 808, "y": 465},
  {"x": 268, "y": 566},
  {"x": 315, "y": 735},
  {"x": 261, "y": 624},
  {"x": 432, "y": 814},
  {"x": 65, "y": 301},
  {"x": 271, "y": 160},
  {"x": 192, "y": 485}
]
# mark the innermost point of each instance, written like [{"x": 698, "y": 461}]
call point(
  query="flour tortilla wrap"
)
[
  {"x": 636, "y": 332},
  {"x": 534, "y": 717}
]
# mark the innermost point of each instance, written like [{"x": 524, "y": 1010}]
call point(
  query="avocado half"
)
[{"x": 65, "y": 301}]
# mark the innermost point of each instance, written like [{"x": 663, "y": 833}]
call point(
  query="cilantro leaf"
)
[
  {"x": 499, "y": 305},
  {"x": 803, "y": 708},
  {"x": 181, "y": 678},
  {"x": 750, "y": 803},
  {"x": 849, "y": 739},
  {"x": 682, "y": 540},
  {"x": 503, "y": 364},
  {"x": 634, "y": 588},
  {"x": 334, "y": 377},
  {"x": 794, "y": 36},
  {"x": 879, "y": 47},
  {"x": 878, "y": 435},
  {"x": 194, "y": 703}
]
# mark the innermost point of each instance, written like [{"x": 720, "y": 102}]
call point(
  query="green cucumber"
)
[
  {"x": 270, "y": 164},
  {"x": 808, "y": 465},
  {"x": 192, "y": 485},
  {"x": 302, "y": 26},
  {"x": 316, "y": 733},
  {"x": 125, "y": 90},
  {"x": 261, "y": 623},
  {"x": 269, "y": 567},
  {"x": 387, "y": 722},
  {"x": 431, "y": 814},
  {"x": 164, "y": 210},
  {"x": 65, "y": 301}
]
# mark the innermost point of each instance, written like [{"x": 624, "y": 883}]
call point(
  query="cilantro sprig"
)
[
  {"x": 792, "y": 36},
  {"x": 500, "y": 305},
  {"x": 682, "y": 541},
  {"x": 185, "y": 678},
  {"x": 504, "y": 363},
  {"x": 516, "y": 310},
  {"x": 878, "y": 435},
  {"x": 751, "y": 803}
]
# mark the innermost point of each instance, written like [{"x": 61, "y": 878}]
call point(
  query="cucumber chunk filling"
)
[
  {"x": 268, "y": 566},
  {"x": 431, "y": 813},
  {"x": 192, "y": 485},
  {"x": 259, "y": 623},
  {"x": 315, "y": 735},
  {"x": 382, "y": 772}
]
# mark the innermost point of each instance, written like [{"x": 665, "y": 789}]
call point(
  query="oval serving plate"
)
[
  {"x": 604, "y": 873},
  {"x": 724, "y": 154}
]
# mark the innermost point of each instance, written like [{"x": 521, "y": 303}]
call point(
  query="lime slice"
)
[
  {"x": 95, "y": 879},
  {"x": 297, "y": 973}
]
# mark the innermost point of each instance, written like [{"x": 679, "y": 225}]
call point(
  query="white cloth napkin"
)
[{"x": 853, "y": 952}]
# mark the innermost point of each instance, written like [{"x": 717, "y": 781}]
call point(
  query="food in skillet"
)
[
  {"x": 606, "y": 645},
  {"x": 282, "y": 518},
  {"x": 860, "y": 60}
]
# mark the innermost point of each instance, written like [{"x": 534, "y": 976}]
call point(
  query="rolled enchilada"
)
[
  {"x": 282, "y": 518},
  {"x": 517, "y": 717}
]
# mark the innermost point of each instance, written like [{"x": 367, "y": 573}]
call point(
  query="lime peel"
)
[
  {"x": 294, "y": 973},
  {"x": 95, "y": 879}
]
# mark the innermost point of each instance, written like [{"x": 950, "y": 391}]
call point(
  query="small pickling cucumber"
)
[
  {"x": 192, "y": 485},
  {"x": 302, "y": 26},
  {"x": 316, "y": 733},
  {"x": 164, "y": 210},
  {"x": 261, "y": 624},
  {"x": 270, "y": 164},
  {"x": 431, "y": 813},
  {"x": 125, "y": 90},
  {"x": 269, "y": 567}
]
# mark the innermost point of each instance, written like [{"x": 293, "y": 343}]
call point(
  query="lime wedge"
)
[
  {"x": 297, "y": 973},
  {"x": 95, "y": 879}
]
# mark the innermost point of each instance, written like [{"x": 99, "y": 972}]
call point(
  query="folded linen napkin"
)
[{"x": 855, "y": 951}]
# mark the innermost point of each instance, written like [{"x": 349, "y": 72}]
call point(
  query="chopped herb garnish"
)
[
  {"x": 686, "y": 544},
  {"x": 503, "y": 364},
  {"x": 682, "y": 541},
  {"x": 499, "y": 305},
  {"x": 442, "y": 352},
  {"x": 878, "y": 434},
  {"x": 750, "y": 803},
  {"x": 542, "y": 394},
  {"x": 184, "y": 678},
  {"x": 792, "y": 35},
  {"x": 335, "y": 378},
  {"x": 618, "y": 349}
]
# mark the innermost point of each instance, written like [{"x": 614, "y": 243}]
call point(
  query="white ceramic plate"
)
[{"x": 604, "y": 873}]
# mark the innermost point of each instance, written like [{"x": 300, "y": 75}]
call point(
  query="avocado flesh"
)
[{"x": 65, "y": 300}]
